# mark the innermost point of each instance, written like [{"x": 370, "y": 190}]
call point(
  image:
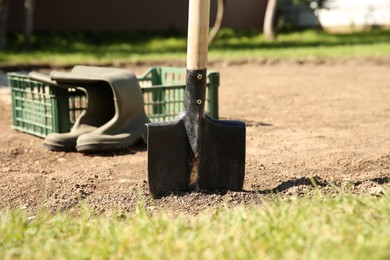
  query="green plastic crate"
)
[{"x": 40, "y": 109}]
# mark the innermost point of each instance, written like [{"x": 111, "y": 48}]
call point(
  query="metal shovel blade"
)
[
  {"x": 222, "y": 160},
  {"x": 169, "y": 157}
]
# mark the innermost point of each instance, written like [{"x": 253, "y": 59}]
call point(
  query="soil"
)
[{"x": 326, "y": 123}]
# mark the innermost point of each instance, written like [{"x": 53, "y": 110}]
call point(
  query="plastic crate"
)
[{"x": 40, "y": 109}]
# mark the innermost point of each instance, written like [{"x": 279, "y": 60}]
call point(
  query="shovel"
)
[{"x": 196, "y": 151}]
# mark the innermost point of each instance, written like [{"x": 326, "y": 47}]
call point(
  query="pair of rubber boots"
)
[{"x": 114, "y": 118}]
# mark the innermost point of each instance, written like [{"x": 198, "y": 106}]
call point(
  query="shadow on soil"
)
[
  {"x": 139, "y": 147},
  {"x": 380, "y": 181},
  {"x": 314, "y": 182},
  {"x": 250, "y": 123},
  {"x": 304, "y": 181}
]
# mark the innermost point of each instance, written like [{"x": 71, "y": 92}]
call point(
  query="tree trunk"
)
[
  {"x": 269, "y": 20},
  {"x": 28, "y": 22},
  {"x": 4, "y": 4},
  {"x": 218, "y": 21},
  {"x": 319, "y": 26}
]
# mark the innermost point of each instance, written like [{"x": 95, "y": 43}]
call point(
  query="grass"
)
[
  {"x": 345, "y": 227},
  {"x": 111, "y": 48}
]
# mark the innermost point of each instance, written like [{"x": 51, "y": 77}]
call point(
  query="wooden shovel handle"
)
[{"x": 198, "y": 31}]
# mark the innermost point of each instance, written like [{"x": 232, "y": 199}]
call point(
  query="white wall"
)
[{"x": 344, "y": 13}]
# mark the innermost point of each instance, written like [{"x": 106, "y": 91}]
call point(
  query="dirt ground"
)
[{"x": 327, "y": 122}]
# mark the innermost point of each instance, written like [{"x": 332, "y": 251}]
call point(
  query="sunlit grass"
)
[
  {"x": 345, "y": 227},
  {"x": 109, "y": 48}
]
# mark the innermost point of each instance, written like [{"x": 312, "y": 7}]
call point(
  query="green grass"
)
[
  {"x": 345, "y": 227},
  {"x": 111, "y": 48}
]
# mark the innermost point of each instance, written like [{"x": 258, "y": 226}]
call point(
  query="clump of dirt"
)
[{"x": 310, "y": 127}]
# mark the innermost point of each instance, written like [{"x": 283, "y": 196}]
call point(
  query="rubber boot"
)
[
  {"x": 127, "y": 125},
  {"x": 93, "y": 117}
]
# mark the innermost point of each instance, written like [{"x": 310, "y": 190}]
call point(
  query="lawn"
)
[
  {"x": 111, "y": 48},
  {"x": 344, "y": 227}
]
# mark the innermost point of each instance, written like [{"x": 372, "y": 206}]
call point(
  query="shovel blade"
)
[
  {"x": 170, "y": 157},
  {"x": 222, "y": 160}
]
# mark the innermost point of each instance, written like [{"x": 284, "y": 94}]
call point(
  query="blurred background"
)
[{"x": 152, "y": 29}]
